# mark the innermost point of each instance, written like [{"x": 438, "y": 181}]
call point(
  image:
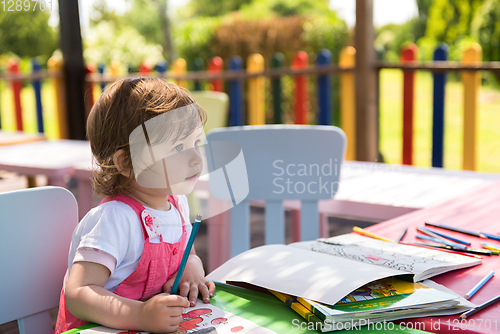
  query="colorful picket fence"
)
[{"x": 233, "y": 81}]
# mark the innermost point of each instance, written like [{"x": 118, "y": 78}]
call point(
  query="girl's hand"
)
[
  {"x": 193, "y": 281},
  {"x": 163, "y": 313}
]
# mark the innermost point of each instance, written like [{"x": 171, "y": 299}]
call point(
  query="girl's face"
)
[{"x": 178, "y": 164}]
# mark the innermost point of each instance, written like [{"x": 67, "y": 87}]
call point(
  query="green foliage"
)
[
  {"x": 326, "y": 32},
  {"x": 27, "y": 33},
  {"x": 215, "y": 8},
  {"x": 486, "y": 29},
  {"x": 144, "y": 16},
  {"x": 106, "y": 43},
  {"x": 193, "y": 38},
  {"x": 264, "y": 9}
]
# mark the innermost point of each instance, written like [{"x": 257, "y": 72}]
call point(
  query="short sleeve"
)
[
  {"x": 87, "y": 254},
  {"x": 110, "y": 229}
]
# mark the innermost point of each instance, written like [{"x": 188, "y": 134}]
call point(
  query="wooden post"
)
[
  {"x": 236, "y": 110},
  {"x": 55, "y": 66},
  {"x": 216, "y": 65},
  {"x": 13, "y": 68},
  {"x": 366, "y": 83},
  {"x": 198, "y": 65},
  {"x": 348, "y": 101},
  {"x": 471, "y": 81},
  {"x": 37, "y": 87},
  {"x": 325, "y": 102},
  {"x": 440, "y": 54},
  {"x": 256, "y": 111},
  {"x": 74, "y": 67},
  {"x": 179, "y": 67},
  {"x": 301, "y": 108},
  {"x": 277, "y": 61},
  {"x": 408, "y": 56}
]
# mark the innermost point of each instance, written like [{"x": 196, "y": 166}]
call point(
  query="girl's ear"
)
[{"x": 118, "y": 160}]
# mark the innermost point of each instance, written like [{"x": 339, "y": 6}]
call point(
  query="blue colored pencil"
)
[
  {"x": 189, "y": 245},
  {"x": 491, "y": 236},
  {"x": 449, "y": 237},
  {"x": 402, "y": 235},
  {"x": 441, "y": 241},
  {"x": 479, "y": 285},
  {"x": 479, "y": 308}
]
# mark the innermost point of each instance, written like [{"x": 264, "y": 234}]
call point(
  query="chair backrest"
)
[
  {"x": 282, "y": 162},
  {"x": 216, "y": 104},
  {"x": 35, "y": 233}
]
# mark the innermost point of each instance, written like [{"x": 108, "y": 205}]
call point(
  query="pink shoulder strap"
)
[{"x": 139, "y": 208}]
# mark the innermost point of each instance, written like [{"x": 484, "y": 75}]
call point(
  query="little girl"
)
[{"x": 145, "y": 135}]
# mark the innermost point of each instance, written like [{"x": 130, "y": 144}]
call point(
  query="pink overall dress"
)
[{"x": 159, "y": 262}]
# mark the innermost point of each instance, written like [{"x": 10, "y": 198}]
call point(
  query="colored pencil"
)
[
  {"x": 292, "y": 303},
  {"x": 491, "y": 236},
  {"x": 491, "y": 247},
  {"x": 402, "y": 235},
  {"x": 369, "y": 234},
  {"x": 442, "y": 249},
  {"x": 457, "y": 229},
  {"x": 467, "y": 250},
  {"x": 441, "y": 241},
  {"x": 450, "y": 237},
  {"x": 481, "y": 307},
  {"x": 479, "y": 285},
  {"x": 189, "y": 245}
]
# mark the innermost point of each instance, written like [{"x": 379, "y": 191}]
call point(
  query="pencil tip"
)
[{"x": 198, "y": 217}]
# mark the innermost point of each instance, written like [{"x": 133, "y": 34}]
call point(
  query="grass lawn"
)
[
  {"x": 391, "y": 111},
  {"x": 390, "y": 119}
]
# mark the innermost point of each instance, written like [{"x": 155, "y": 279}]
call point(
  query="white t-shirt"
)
[{"x": 114, "y": 228}]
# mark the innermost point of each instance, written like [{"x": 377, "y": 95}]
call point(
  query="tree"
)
[
  {"x": 216, "y": 8},
  {"x": 27, "y": 33}
]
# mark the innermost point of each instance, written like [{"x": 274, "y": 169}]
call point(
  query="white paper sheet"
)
[{"x": 299, "y": 272}]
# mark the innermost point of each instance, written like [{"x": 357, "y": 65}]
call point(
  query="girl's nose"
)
[{"x": 195, "y": 157}]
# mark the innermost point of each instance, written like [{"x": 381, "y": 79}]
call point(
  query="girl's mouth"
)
[{"x": 194, "y": 177}]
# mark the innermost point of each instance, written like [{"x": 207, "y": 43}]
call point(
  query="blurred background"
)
[{"x": 162, "y": 37}]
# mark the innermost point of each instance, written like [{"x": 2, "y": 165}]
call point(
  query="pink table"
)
[
  {"x": 477, "y": 211},
  {"x": 53, "y": 158}
]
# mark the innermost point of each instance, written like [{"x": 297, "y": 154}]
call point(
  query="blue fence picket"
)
[
  {"x": 100, "y": 68},
  {"x": 161, "y": 68},
  {"x": 236, "y": 94},
  {"x": 36, "y": 67},
  {"x": 440, "y": 54},
  {"x": 324, "y": 89}
]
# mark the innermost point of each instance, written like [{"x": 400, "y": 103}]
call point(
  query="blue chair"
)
[
  {"x": 283, "y": 162},
  {"x": 35, "y": 232}
]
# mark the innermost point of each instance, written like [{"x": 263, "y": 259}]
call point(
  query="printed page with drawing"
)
[
  {"x": 326, "y": 272},
  {"x": 422, "y": 262}
]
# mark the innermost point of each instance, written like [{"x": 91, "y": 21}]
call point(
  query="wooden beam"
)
[
  {"x": 74, "y": 68},
  {"x": 366, "y": 83}
]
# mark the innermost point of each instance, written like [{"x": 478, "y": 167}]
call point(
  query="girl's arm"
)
[
  {"x": 87, "y": 299},
  {"x": 193, "y": 281}
]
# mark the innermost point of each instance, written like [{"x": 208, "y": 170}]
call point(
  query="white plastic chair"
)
[
  {"x": 273, "y": 156},
  {"x": 35, "y": 233}
]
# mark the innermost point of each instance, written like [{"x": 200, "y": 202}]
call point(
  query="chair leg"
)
[
  {"x": 323, "y": 227},
  {"x": 295, "y": 215},
  {"x": 39, "y": 323}
]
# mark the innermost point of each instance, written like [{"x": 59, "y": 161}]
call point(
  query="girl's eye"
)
[
  {"x": 178, "y": 148},
  {"x": 197, "y": 143}
]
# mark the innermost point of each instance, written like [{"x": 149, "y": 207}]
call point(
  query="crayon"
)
[
  {"x": 457, "y": 229},
  {"x": 402, "y": 235},
  {"x": 452, "y": 244},
  {"x": 368, "y": 234},
  {"x": 481, "y": 307},
  {"x": 450, "y": 237},
  {"x": 479, "y": 285}
]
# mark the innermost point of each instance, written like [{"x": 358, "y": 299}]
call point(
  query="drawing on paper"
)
[{"x": 200, "y": 319}]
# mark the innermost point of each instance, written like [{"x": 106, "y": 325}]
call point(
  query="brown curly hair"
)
[{"x": 122, "y": 107}]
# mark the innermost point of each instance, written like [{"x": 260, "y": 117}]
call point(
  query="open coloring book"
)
[
  {"x": 200, "y": 319},
  {"x": 326, "y": 271}
]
